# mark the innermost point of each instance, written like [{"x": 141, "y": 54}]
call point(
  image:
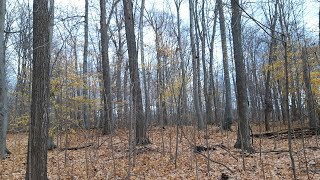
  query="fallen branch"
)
[
  {"x": 276, "y": 151},
  {"x": 76, "y": 148},
  {"x": 296, "y": 133}
]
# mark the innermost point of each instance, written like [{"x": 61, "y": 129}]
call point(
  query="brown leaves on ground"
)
[{"x": 106, "y": 160}]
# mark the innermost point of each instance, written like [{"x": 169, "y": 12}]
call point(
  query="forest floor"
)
[{"x": 95, "y": 157}]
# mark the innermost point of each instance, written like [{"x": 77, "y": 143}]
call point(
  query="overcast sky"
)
[{"x": 311, "y": 10}]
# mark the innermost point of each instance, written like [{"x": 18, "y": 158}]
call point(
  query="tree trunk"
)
[
  {"x": 199, "y": 118},
  {"x": 3, "y": 86},
  {"x": 207, "y": 96},
  {"x": 243, "y": 138},
  {"x": 309, "y": 96},
  {"x": 105, "y": 70},
  {"x": 144, "y": 76},
  {"x": 183, "y": 93},
  {"x": 228, "y": 108},
  {"x": 212, "y": 89},
  {"x": 272, "y": 50},
  {"x": 141, "y": 132},
  {"x": 85, "y": 67},
  {"x": 38, "y": 130}
]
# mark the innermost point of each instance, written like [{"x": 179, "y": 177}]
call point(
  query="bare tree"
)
[
  {"x": 141, "y": 131},
  {"x": 107, "y": 98},
  {"x": 85, "y": 66},
  {"x": 243, "y": 138},
  {"x": 194, "y": 55},
  {"x": 3, "y": 86},
  {"x": 144, "y": 76},
  {"x": 228, "y": 108},
  {"x": 272, "y": 49},
  {"x": 183, "y": 93},
  {"x": 38, "y": 131},
  {"x": 207, "y": 96}
]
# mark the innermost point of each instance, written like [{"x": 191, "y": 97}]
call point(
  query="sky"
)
[{"x": 311, "y": 10}]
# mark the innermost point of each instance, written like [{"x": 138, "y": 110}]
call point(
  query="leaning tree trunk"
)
[
  {"x": 141, "y": 131},
  {"x": 38, "y": 129},
  {"x": 3, "y": 86},
  {"x": 228, "y": 108},
  {"x": 243, "y": 138}
]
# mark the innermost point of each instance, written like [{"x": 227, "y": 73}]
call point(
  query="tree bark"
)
[
  {"x": 38, "y": 130},
  {"x": 228, "y": 108},
  {"x": 199, "y": 118},
  {"x": 144, "y": 76},
  {"x": 309, "y": 96},
  {"x": 272, "y": 50},
  {"x": 207, "y": 96},
  {"x": 183, "y": 93},
  {"x": 3, "y": 86},
  {"x": 141, "y": 132},
  {"x": 105, "y": 69},
  {"x": 212, "y": 89},
  {"x": 85, "y": 67},
  {"x": 243, "y": 138}
]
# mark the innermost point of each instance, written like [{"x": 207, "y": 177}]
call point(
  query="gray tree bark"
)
[
  {"x": 272, "y": 49},
  {"x": 196, "y": 102},
  {"x": 38, "y": 130},
  {"x": 85, "y": 66},
  {"x": 309, "y": 96},
  {"x": 141, "y": 131},
  {"x": 207, "y": 96},
  {"x": 228, "y": 108},
  {"x": 144, "y": 76},
  {"x": 3, "y": 86},
  {"x": 243, "y": 138},
  {"x": 183, "y": 93},
  {"x": 212, "y": 89},
  {"x": 104, "y": 24}
]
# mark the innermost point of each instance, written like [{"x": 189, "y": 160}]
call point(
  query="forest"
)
[{"x": 162, "y": 89}]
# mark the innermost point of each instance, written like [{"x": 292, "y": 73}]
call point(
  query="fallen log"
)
[
  {"x": 76, "y": 148},
  {"x": 296, "y": 133}
]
